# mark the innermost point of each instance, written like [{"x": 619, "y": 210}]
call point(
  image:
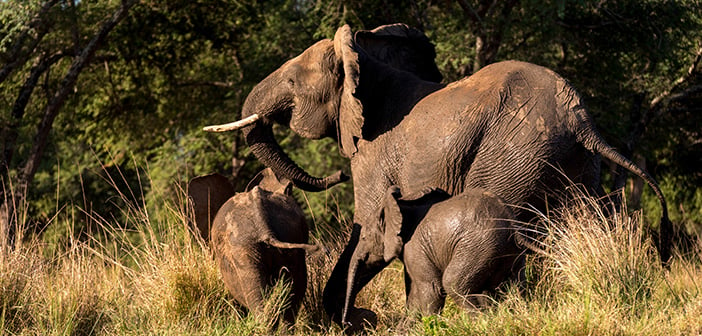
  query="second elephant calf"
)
[
  {"x": 257, "y": 237},
  {"x": 457, "y": 246}
]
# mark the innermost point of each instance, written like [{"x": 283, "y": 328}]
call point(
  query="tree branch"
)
[
  {"x": 666, "y": 95},
  {"x": 470, "y": 12},
  {"x": 487, "y": 41},
  {"x": 207, "y": 83},
  {"x": 65, "y": 89},
  {"x": 692, "y": 90},
  {"x": 37, "y": 23},
  {"x": 20, "y": 106}
]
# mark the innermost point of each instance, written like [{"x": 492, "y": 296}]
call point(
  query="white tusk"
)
[{"x": 234, "y": 125}]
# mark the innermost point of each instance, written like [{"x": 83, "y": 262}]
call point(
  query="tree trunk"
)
[
  {"x": 56, "y": 102},
  {"x": 26, "y": 173},
  {"x": 488, "y": 22},
  {"x": 636, "y": 184}
]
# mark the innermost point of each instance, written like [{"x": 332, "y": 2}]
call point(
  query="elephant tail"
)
[
  {"x": 310, "y": 248},
  {"x": 598, "y": 145}
]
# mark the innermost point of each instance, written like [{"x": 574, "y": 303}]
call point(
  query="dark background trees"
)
[{"x": 132, "y": 111}]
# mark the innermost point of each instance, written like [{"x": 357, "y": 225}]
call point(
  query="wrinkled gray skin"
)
[
  {"x": 514, "y": 128},
  {"x": 457, "y": 246},
  {"x": 257, "y": 237}
]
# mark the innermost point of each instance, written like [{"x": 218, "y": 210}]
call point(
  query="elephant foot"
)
[{"x": 359, "y": 320}]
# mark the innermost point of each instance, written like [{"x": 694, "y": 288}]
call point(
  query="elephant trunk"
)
[
  {"x": 350, "y": 289},
  {"x": 259, "y": 135},
  {"x": 335, "y": 289},
  {"x": 263, "y": 145}
]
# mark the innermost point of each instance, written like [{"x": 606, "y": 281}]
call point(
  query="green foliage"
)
[
  {"x": 433, "y": 325},
  {"x": 171, "y": 67},
  {"x": 332, "y": 208},
  {"x": 684, "y": 199},
  {"x": 14, "y": 16}
]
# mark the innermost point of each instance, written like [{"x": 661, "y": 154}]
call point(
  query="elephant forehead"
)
[
  {"x": 312, "y": 58},
  {"x": 316, "y": 48}
]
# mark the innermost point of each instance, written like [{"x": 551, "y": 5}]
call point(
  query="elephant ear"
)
[
  {"x": 392, "y": 239},
  {"x": 207, "y": 194},
  {"x": 401, "y": 47},
  {"x": 350, "y": 109}
]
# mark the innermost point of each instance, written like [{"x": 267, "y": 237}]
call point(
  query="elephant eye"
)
[{"x": 363, "y": 235}]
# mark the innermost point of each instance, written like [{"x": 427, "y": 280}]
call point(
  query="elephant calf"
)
[
  {"x": 455, "y": 246},
  {"x": 257, "y": 237}
]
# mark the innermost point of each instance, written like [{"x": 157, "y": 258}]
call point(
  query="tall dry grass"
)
[{"x": 594, "y": 275}]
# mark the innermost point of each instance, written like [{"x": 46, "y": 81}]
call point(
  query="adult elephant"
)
[{"x": 514, "y": 128}]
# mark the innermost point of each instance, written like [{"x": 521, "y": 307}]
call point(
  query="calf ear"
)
[
  {"x": 392, "y": 216},
  {"x": 207, "y": 194}
]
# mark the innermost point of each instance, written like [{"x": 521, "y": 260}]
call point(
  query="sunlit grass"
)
[{"x": 594, "y": 275}]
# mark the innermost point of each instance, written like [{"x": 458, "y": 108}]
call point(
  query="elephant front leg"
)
[
  {"x": 425, "y": 293},
  {"x": 426, "y": 297}
]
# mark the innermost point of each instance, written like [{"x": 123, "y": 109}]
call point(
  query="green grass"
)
[{"x": 593, "y": 275}]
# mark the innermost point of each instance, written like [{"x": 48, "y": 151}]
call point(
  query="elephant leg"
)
[
  {"x": 426, "y": 297},
  {"x": 244, "y": 280},
  {"x": 424, "y": 289},
  {"x": 334, "y": 293},
  {"x": 462, "y": 281},
  {"x": 465, "y": 282},
  {"x": 296, "y": 272}
]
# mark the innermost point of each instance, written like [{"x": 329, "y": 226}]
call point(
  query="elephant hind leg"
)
[
  {"x": 296, "y": 275},
  {"x": 244, "y": 281},
  {"x": 425, "y": 294}
]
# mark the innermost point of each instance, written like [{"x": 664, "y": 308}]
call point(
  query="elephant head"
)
[
  {"x": 207, "y": 194},
  {"x": 314, "y": 94},
  {"x": 383, "y": 241}
]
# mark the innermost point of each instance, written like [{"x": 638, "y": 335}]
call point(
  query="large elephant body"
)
[{"x": 516, "y": 129}]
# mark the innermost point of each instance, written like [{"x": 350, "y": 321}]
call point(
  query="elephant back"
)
[{"x": 285, "y": 217}]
